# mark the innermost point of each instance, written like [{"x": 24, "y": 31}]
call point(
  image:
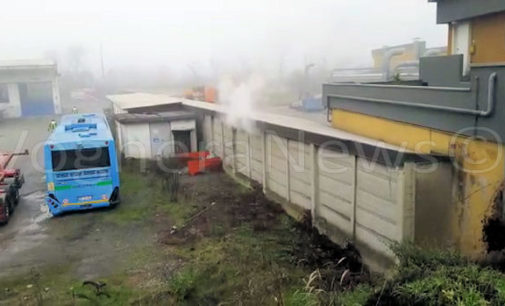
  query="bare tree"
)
[{"x": 75, "y": 56}]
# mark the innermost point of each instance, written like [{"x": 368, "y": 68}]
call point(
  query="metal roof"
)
[
  {"x": 297, "y": 123},
  {"x": 455, "y": 10},
  {"x": 260, "y": 116},
  {"x": 126, "y": 118},
  {"x": 27, "y": 64},
  {"x": 138, "y": 99}
]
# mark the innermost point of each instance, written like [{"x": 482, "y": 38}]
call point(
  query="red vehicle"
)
[{"x": 11, "y": 180}]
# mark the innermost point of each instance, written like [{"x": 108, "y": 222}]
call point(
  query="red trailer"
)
[{"x": 11, "y": 180}]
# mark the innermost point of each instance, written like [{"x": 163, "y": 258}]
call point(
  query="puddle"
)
[{"x": 25, "y": 231}]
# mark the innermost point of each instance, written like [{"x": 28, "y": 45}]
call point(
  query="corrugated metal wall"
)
[{"x": 350, "y": 198}]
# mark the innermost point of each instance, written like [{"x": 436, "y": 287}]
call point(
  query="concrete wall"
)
[
  {"x": 136, "y": 140},
  {"x": 462, "y": 194},
  {"x": 349, "y": 198}
]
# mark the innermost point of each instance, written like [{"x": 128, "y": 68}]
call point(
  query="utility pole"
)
[{"x": 101, "y": 60}]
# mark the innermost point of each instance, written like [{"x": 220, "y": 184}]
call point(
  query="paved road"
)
[
  {"x": 24, "y": 230},
  {"x": 28, "y": 240}
]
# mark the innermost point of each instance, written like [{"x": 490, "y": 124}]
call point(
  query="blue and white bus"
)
[{"x": 81, "y": 164}]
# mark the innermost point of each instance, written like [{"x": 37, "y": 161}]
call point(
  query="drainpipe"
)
[
  {"x": 386, "y": 62},
  {"x": 491, "y": 101},
  {"x": 415, "y": 63},
  {"x": 407, "y": 64},
  {"x": 432, "y": 52}
]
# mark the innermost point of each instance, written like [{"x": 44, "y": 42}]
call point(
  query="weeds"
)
[
  {"x": 182, "y": 284},
  {"x": 430, "y": 277},
  {"x": 245, "y": 251}
]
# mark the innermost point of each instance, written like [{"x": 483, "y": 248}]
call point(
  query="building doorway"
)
[
  {"x": 182, "y": 141},
  {"x": 36, "y": 98}
]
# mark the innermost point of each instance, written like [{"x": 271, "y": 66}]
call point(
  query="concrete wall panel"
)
[
  {"x": 337, "y": 204},
  {"x": 335, "y": 192},
  {"x": 339, "y": 221},
  {"x": 228, "y": 146},
  {"x": 373, "y": 241},
  {"x": 138, "y": 139},
  {"x": 336, "y": 188},
  {"x": 218, "y": 140},
  {"x": 242, "y": 152},
  {"x": 300, "y": 199},
  {"x": 355, "y": 197},
  {"x": 381, "y": 208},
  {"x": 276, "y": 165},
  {"x": 372, "y": 221},
  {"x": 256, "y": 157}
]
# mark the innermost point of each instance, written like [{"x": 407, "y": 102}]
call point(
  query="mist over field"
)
[{"x": 163, "y": 43}]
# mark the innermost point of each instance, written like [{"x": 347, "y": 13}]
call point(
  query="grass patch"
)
[
  {"x": 143, "y": 198},
  {"x": 356, "y": 297},
  {"x": 239, "y": 267},
  {"x": 54, "y": 286},
  {"x": 245, "y": 251},
  {"x": 183, "y": 284},
  {"x": 431, "y": 277}
]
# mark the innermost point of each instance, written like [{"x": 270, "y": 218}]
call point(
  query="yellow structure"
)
[
  {"x": 472, "y": 187},
  {"x": 479, "y": 166},
  {"x": 486, "y": 38},
  {"x": 411, "y": 52}
]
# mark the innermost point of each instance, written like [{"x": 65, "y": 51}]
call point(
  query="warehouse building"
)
[{"x": 29, "y": 88}]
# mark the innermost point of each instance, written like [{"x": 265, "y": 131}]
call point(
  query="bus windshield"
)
[{"x": 66, "y": 160}]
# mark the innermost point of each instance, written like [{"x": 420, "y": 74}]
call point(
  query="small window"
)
[{"x": 4, "y": 93}]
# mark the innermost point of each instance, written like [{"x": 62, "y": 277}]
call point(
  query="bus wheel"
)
[{"x": 115, "y": 198}]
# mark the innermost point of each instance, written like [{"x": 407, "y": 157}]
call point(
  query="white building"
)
[
  {"x": 29, "y": 88},
  {"x": 152, "y": 126}
]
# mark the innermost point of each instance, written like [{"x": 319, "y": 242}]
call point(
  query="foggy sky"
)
[{"x": 207, "y": 33}]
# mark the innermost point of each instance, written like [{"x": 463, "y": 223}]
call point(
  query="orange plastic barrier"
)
[
  {"x": 201, "y": 165},
  {"x": 210, "y": 94},
  {"x": 193, "y": 155}
]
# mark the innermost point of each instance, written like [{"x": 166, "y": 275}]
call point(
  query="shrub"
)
[{"x": 183, "y": 284}]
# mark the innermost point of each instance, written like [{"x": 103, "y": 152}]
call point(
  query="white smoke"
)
[{"x": 240, "y": 99}]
